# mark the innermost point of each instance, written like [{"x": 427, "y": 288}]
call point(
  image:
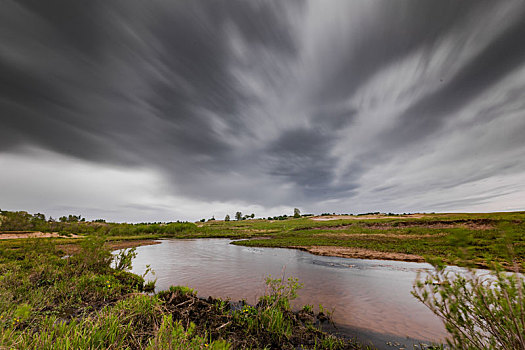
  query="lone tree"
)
[
  {"x": 227, "y": 217},
  {"x": 238, "y": 216},
  {"x": 296, "y": 213}
]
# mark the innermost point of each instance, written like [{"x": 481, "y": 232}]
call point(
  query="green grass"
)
[
  {"x": 48, "y": 301},
  {"x": 477, "y": 238}
]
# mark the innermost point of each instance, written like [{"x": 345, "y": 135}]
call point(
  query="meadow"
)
[
  {"x": 476, "y": 239},
  {"x": 464, "y": 239}
]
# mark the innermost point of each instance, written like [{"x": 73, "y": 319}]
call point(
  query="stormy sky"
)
[{"x": 165, "y": 110}]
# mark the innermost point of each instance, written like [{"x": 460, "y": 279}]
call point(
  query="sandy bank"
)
[
  {"x": 27, "y": 234},
  {"x": 360, "y": 253},
  {"x": 364, "y": 217},
  {"x": 113, "y": 245}
]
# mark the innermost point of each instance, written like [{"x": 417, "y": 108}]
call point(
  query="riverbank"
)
[
  {"x": 474, "y": 239},
  {"x": 73, "y": 248},
  {"x": 84, "y": 301},
  {"x": 359, "y": 253}
]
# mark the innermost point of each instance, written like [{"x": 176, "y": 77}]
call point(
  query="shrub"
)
[
  {"x": 124, "y": 259},
  {"x": 479, "y": 311}
]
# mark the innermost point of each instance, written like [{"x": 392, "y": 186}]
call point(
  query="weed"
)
[{"x": 480, "y": 312}]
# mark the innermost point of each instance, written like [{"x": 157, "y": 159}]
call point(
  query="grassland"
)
[{"x": 477, "y": 239}]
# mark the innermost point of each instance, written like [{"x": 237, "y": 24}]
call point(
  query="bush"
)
[{"x": 479, "y": 312}]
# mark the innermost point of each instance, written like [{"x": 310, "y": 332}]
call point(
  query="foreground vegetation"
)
[
  {"x": 89, "y": 301},
  {"x": 480, "y": 311}
]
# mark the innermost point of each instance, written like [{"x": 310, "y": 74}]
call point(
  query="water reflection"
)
[{"x": 371, "y": 295}]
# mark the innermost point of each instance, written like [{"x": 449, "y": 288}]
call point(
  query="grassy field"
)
[{"x": 478, "y": 239}]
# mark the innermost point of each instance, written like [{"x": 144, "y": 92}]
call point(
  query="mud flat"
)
[{"x": 360, "y": 253}]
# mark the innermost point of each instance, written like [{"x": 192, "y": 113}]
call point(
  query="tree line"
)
[{"x": 76, "y": 224}]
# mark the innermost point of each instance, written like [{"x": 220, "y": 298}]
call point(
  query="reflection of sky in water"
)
[{"x": 367, "y": 294}]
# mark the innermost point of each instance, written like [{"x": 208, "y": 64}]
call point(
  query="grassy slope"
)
[{"x": 479, "y": 238}]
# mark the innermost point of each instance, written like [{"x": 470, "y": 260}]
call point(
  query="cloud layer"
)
[{"x": 344, "y": 106}]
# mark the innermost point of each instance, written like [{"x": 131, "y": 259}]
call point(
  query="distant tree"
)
[
  {"x": 238, "y": 216},
  {"x": 252, "y": 216},
  {"x": 296, "y": 213},
  {"x": 212, "y": 218},
  {"x": 63, "y": 219},
  {"x": 203, "y": 220},
  {"x": 227, "y": 217},
  {"x": 39, "y": 216}
]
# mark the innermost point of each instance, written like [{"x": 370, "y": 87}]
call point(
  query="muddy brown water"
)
[{"x": 371, "y": 298}]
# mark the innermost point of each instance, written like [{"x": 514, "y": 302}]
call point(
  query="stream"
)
[{"x": 370, "y": 299}]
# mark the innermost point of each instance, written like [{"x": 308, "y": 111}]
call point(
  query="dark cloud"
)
[
  {"x": 271, "y": 103},
  {"x": 500, "y": 58},
  {"x": 395, "y": 30}
]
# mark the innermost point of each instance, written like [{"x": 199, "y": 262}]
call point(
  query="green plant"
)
[
  {"x": 479, "y": 311},
  {"x": 308, "y": 308},
  {"x": 279, "y": 292},
  {"x": 183, "y": 290},
  {"x": 171, "y": 335},
  {"x": 93, "y": 255},
  {"x": 123, "y": 260}
]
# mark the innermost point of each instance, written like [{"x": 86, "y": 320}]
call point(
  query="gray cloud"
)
[{"x": 346, "y": 106}]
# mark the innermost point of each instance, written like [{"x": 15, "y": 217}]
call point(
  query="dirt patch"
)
[
  {"x": 378, "y": 235},
  {"x": 365, "y": 217},
  {"x": 30, "y": 234},
  {"x": 115, "y": 245},
  {"x": 360, "y": 253},
  {"x": 130, "y": 244},
  {"x": 481, "y": 224},
  {"x": 215, "y": 318}
]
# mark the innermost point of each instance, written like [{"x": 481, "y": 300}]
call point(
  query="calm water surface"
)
[{"x": 367, "y": 295}]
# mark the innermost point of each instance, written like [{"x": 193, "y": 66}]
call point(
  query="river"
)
[{"x": 371, "y": 298}]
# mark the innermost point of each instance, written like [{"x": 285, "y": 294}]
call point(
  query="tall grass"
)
[{"x": 90, "y": 301}]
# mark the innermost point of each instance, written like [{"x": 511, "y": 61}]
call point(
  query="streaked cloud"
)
[{"x": 346, "y": 106}]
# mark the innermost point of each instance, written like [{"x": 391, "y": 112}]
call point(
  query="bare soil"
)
[
  {"x": 360, "y": 253},
  {"x": 113, "y": 245},
  {"x": 479, "y": 224},
  {"x": 365, "y": 217},
  {"x": 219, "y": 323},
  {"x": 31, "y": 234},
  {"x": 379, "y": 235}
]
